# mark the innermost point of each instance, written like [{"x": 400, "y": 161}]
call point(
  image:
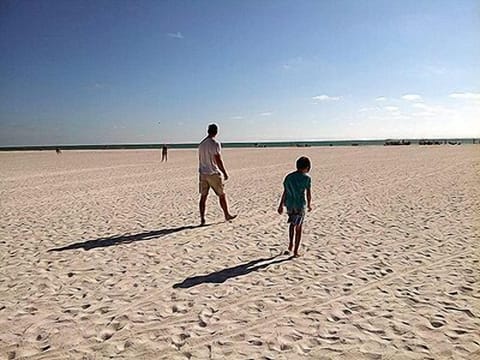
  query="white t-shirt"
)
[{"x": 207, "y": 150}]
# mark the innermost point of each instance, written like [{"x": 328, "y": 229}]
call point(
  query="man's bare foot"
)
[
  {"x": 297, "y": 255},
  {"x": 230, "y": 217},
  {"x": 286, "y": 252},
  {"x": 202, "y": 222}
]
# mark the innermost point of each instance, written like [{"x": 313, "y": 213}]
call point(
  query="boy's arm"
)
[
  {"x": 309, "y": 199},
  {"x": 282, "y": 203}
]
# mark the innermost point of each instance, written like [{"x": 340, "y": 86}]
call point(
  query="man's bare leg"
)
[
  {"x": 224, "y": 206},
  {"x": 202, "y": 206},
  {"x": 298, "y": 237}
]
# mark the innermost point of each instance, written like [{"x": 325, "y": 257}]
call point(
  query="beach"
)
[{"x": 101, "y": 256}]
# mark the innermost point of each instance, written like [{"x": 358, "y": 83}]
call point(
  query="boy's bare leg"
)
[
  {"x": 298, "y": 237},
  {"x": 202, "y": 206},
  {"x": 291, "y": 232},
  {"x": 224, "y": 206}
]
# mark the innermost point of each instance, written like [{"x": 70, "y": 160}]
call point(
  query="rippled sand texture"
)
[{"x": 100, "y": 257}]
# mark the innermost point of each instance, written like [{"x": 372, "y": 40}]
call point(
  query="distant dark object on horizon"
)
[
  {"x": 455, "y": 142},
  {"x": 430, "y": 142},
  {"x": 354, "y": 144},
  {"x": 396, "y": 142},
  {"x": 58, "y": 151},
  {"x": 303, "y": 145}
]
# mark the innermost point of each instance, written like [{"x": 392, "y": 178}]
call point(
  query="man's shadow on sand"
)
[
  {"x": 231, "y": 272},
  {"x": 125, "y": 239}
]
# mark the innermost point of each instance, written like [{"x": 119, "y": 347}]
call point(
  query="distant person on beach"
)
[
  {"x": 295, "y": 185},
  {"x": 211, "y": 167},
  {"x": 164, "y": 153},
  {"x": 58, "y": 151}
]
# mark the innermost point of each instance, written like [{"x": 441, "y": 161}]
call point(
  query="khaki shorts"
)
[{"x": 211, "y": 181}]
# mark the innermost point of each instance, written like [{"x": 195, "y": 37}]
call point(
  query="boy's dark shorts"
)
[{"x": 296, "y": 216}]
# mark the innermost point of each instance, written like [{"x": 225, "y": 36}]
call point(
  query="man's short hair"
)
[
  {"x": 303, "y": 163},
  {"x": 212, "y": 129}
]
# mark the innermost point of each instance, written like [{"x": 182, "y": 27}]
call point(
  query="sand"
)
[{"x": 101, "y": 257}]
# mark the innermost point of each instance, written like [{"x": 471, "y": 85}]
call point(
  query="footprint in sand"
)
[
  {"x": 437, "y": 323},
  {"x": 205, "y": 316},
  {"x": 179, "y": 309},
  {"x": 106, "y": 334},
  {"x": 255, "y": 342},
  {"x": 43, "y": 343},
  {"x": 179, "y": 340},
  {"x": 119, "y": 323}
]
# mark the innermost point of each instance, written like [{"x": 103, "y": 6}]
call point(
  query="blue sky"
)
[{"x": 89, "y": 72}]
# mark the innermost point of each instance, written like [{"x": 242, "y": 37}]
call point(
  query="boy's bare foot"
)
[
  {"x": 230, "y": 217},
  {"x": 297, "y": 255},
  {"x": 202, "y": 222},
  {"x": 286, "y": 252}
]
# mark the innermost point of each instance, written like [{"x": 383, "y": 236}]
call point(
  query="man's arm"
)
[
  {"x": 309, "y": 199},
  {"x": 282, "y": 203},
  {"x": 219, "y": 162}
]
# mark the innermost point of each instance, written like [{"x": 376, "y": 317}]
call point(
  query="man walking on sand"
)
[
  {"x": 211, "y": 167},
  {"x": 164, "y": 153}
]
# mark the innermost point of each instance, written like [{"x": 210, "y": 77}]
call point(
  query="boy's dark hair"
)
[
  {"x": 303, "y": 163},
  {"x": 212, "y": 129}
]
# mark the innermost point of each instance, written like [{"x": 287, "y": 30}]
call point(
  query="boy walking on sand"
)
[{"x": 295, "y": 185}]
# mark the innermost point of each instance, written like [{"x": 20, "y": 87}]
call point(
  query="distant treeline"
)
[{"x": 247, "y": 144}]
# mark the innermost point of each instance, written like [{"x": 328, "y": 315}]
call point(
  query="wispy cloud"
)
[
  {"x": 237, "y": 117},
  {"x": 364, "y": 109},
  {"x": 177, "y": 35},
  {"x": 267, "y": 113},
  {"x": 326, "y": 98},
  {"x": 412, "y": 97},
  {"x": 380, "y": 98},
  {"x": 420, "y": 106},
  {"x": 98, "y": 85},
  {"x": 465, "y": 96},
  {"x": 425, "y": 110},
  {"x": 390, "y": 108},
  {"x": 429, "y": 71},
  {"x": 435, "y": 69}
]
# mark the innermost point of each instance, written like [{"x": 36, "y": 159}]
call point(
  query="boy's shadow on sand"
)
[
  {"x": 125, "y": 239},
  {"x": 231, "y": 272}
]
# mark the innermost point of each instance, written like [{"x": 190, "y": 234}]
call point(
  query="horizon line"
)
[{"x": 7, "y": 147}]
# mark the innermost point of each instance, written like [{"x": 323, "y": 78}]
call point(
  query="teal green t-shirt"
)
[{"x": 295, "y": 185}]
